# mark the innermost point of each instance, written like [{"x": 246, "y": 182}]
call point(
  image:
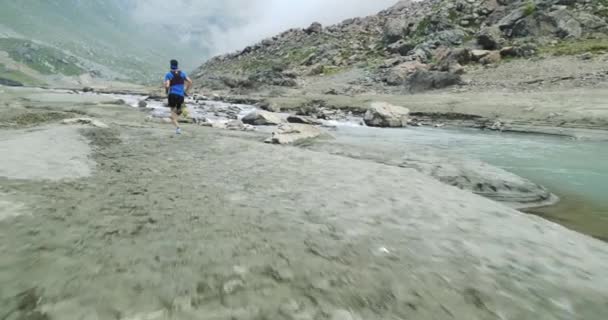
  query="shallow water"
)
[{"x": 577, "y": 171}]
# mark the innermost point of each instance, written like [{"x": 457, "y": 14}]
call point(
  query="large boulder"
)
[
  {"x": 566, "y": 23},
  {"x": 394, "y": 30},
  {"x": 507, "y": 23},
  {"x": 315, "y": 27},
  {"x": 489, "y": 39},
  {"x": 262, "y": 118},
  {"x": 398, "y": 75},
  {"x": 423, "y": 80},
  {"x": 382, "y": 114},
  {"x": 290, "y": 133}
]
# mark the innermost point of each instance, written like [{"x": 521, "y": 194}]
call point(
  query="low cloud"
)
[{"x": 232, "y": 24}]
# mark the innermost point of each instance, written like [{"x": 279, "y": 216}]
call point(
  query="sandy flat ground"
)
[{"x": 218, "y": 225}]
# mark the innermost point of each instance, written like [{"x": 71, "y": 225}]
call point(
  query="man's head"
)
[{"x": 174, "y": 64}]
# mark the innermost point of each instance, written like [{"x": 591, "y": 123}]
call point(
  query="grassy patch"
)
[
  {"x": 331, "y": 70},
  {"x": 18, "y": 76},
  {"x": 574, "y": 47},
  {"x": 45, "y": 60},
  {"x": 530, "y": 8}
]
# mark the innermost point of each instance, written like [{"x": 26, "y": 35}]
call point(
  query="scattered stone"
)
[
  {"x": 142, "y": 104},
  {"x": 232, "y": 286},
  {"x": 238, "y": 125},
  {"x": 382, "y": 114},
  {"x": 269, "y": 106},
  {"x": 342, "y": 315},
  {"x": 87, "y": 89},
  {"x": 87, "y": 121},
  {"x": 294, "y": 133},
  {"x": 497, "y": 126},
  {"x": 493, "y": 57},
  {"x": 262, "y": 118},
  {"x": 477, "y": 55},
  {"x": 586, "y": 56},
  {"x": 401, "y": 47},
  {"x": 508, "y": 52}
]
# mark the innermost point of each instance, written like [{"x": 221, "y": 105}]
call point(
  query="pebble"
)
[
  {"x": 342, "y": 314},
  {"x": 233, "y": 286}
]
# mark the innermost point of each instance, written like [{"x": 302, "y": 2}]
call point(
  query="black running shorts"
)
[{"x": 175, "y": 102}]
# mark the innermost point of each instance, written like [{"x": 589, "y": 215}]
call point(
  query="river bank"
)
[{"x": 217, "y": 224}]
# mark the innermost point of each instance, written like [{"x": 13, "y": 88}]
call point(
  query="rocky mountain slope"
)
[{"x": 414, "y": 46}]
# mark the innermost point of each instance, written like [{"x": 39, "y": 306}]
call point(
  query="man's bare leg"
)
[{"x": 174, "y": 117}]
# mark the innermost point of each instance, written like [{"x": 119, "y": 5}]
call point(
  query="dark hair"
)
[{"x": 174, "y": 64}]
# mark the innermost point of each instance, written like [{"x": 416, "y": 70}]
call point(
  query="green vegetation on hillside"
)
[
  {"x": 16, "y": 75},
  {"x": 574, "y": 47},
  {"x": 43, "y": 59}
]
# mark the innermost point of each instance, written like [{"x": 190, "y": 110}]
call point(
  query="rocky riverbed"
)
[{"x": 217, "y": 224}]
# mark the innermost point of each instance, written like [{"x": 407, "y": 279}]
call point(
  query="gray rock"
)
[
  {"x": 315, "y": 27},
  {"x": 238, "y": 125},
  {"x": 382, "y": 114},
  {"x": 262, "y": 118},
  {"x": 488, "y": 39},
  {"x": 142, "y": 104},
  {"x": 423, "y": 80},
  {"x": 401, "y": 47},
  {"x": 394, "y": 30},
  {"x": 302, "y": 119},
  {"x": 294, "y": 133},
  {"x": 508, "y": 22},
  {"x": 398, "y": 75}
]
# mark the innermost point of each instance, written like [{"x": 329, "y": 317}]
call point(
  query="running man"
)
[{"x": 174, "y": 87}]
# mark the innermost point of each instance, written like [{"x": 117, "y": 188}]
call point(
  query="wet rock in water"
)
[
  {"x": 142, "y": 104},
  {"x": 303, "y": 119},
  {"x": 382, "y": 114},
  {"x": 262, "y": 118},
  {"x": 294, "y": 133},
  {"x": 87, "y": 89},
  {"x": 88, "y": 121}
]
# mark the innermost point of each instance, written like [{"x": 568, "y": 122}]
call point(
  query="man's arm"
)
[
  {"x": 167, "y": 86},
  {"x": 188, "y": 84}
]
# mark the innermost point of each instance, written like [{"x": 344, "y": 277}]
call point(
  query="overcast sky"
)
[{"x": 237, "y": 23}]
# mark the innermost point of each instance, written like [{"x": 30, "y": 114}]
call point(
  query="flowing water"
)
[{"x": 577, "y": 171}]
